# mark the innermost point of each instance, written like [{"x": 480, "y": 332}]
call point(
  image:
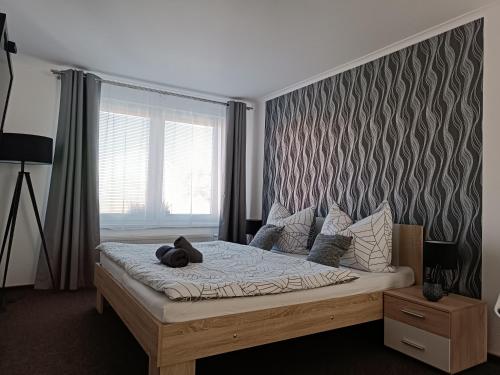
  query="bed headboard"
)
[{"x": 407, "y": 248}]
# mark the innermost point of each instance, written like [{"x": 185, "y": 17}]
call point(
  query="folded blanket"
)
[
  {"x": 175, "y": 258},
  {"x": 195, "y": 256},
  {"x": 162, "y": 250}
]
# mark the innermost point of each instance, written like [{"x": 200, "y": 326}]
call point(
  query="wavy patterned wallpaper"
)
[{"x": 405, "y": 127}]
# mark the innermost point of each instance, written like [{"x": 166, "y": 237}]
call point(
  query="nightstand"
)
[{"x": 449, "y": 334}]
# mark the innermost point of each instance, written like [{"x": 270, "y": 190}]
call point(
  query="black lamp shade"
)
[
  {"x": 442, "y": 253},
  {"x": 28, "y": 148},
  {"x": 253, "y": 226}
]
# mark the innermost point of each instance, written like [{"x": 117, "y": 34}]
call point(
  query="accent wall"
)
[{"x": 406, "y": 127}]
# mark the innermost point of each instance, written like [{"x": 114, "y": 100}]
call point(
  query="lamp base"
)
[
  {"x": 3, "y": 302},
  {"x": 11, "y": 225},
  {"x": 432, "y": 291}
]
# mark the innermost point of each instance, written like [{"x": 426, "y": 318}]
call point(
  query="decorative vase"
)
[{"x": 432, "y": 291}]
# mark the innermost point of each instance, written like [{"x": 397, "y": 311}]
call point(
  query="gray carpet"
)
[{"x": 51, "y": 333}]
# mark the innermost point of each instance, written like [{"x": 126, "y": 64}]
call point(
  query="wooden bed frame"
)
[{"x": 174, "y": 347}]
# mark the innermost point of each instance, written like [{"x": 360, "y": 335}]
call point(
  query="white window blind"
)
[
  {"x": 160, "y": 160},
  {"x": 123, "y": 163}
]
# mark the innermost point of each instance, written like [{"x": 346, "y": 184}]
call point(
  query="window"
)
[{"x": 159, "y": 160}]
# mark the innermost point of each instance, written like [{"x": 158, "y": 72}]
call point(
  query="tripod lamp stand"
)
[{"x": 23, "y": 149}]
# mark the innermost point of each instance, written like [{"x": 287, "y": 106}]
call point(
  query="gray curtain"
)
[
  {"x": 233, "y": 215},
  {"x": 72, "y": 216}
]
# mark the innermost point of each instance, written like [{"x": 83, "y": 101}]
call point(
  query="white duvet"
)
[{"x": 228, "y": 270}]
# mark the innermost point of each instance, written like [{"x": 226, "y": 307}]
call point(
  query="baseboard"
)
[
  {"x": 493, "y": 358},
  {"x": 20, "y": 287}
]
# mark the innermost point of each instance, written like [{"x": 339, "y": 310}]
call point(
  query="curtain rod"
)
[{"x": 158, "y": 91}]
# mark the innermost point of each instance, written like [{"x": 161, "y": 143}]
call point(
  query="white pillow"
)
[
  {"x": 296, "y": 228},
  {"x": 371, "y": 246},
  {"x": 335, "y": 221}
]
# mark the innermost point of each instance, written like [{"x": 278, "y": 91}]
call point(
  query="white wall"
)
[
  {"x": 491, "y": 174},
  {"x": 33, "y": 108},
  {"x": 255, "y": 160}
]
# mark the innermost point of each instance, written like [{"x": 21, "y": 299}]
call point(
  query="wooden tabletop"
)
[{"x": 449, "y": 303}]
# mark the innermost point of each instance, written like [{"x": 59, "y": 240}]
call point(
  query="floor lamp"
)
[{"x": 22, "y": 149}]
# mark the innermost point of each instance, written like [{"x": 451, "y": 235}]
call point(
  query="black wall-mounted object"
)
[
  {"x": 6, "y": 74},
  {"x": 11, "y": 47},
  {"x": 23, "y": 149}
]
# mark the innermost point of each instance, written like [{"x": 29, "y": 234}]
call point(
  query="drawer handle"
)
[
  {"x": 413, "y": 344},
  {"x": 413, "y": 313}
]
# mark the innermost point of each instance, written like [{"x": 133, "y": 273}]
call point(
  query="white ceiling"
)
[{"x": 234, "y": 48}]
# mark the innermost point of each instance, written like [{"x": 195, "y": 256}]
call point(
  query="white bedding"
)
[
  {"x": 168, "y": 311},
  {"x": 228, "y": 270}
]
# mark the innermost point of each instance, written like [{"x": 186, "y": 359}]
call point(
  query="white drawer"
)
[{"x": 417, "y": 343}]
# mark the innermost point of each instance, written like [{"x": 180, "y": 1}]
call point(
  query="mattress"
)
[{"x": 168, "y": 311}]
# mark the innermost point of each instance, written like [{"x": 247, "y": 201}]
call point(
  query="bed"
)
[{"x": 175, "y": 334}]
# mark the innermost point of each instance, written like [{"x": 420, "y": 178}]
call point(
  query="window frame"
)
[{"x": 153, "y": 217}]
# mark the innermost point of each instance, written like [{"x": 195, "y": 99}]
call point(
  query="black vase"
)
[{"x": 432, "y": 291}]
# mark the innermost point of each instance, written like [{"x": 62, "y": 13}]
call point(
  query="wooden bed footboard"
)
[{"x": 174, "y": 347}]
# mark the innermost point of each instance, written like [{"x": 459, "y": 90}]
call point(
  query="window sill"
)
[{"x": 159, "y": 235}]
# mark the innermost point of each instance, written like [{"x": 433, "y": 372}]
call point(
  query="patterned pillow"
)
[
  {"x": 266, "y": 237},
  {"x": 371, "y": 246},
  {"x": 296, "y": 228},
  {"x": 335, "y": 221}
]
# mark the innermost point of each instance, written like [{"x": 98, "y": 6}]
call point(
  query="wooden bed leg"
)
[
  {"x": 184, "y": 368},
  {"x": 99, "y": 302},
  {"x": 153, "y": 368}
]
